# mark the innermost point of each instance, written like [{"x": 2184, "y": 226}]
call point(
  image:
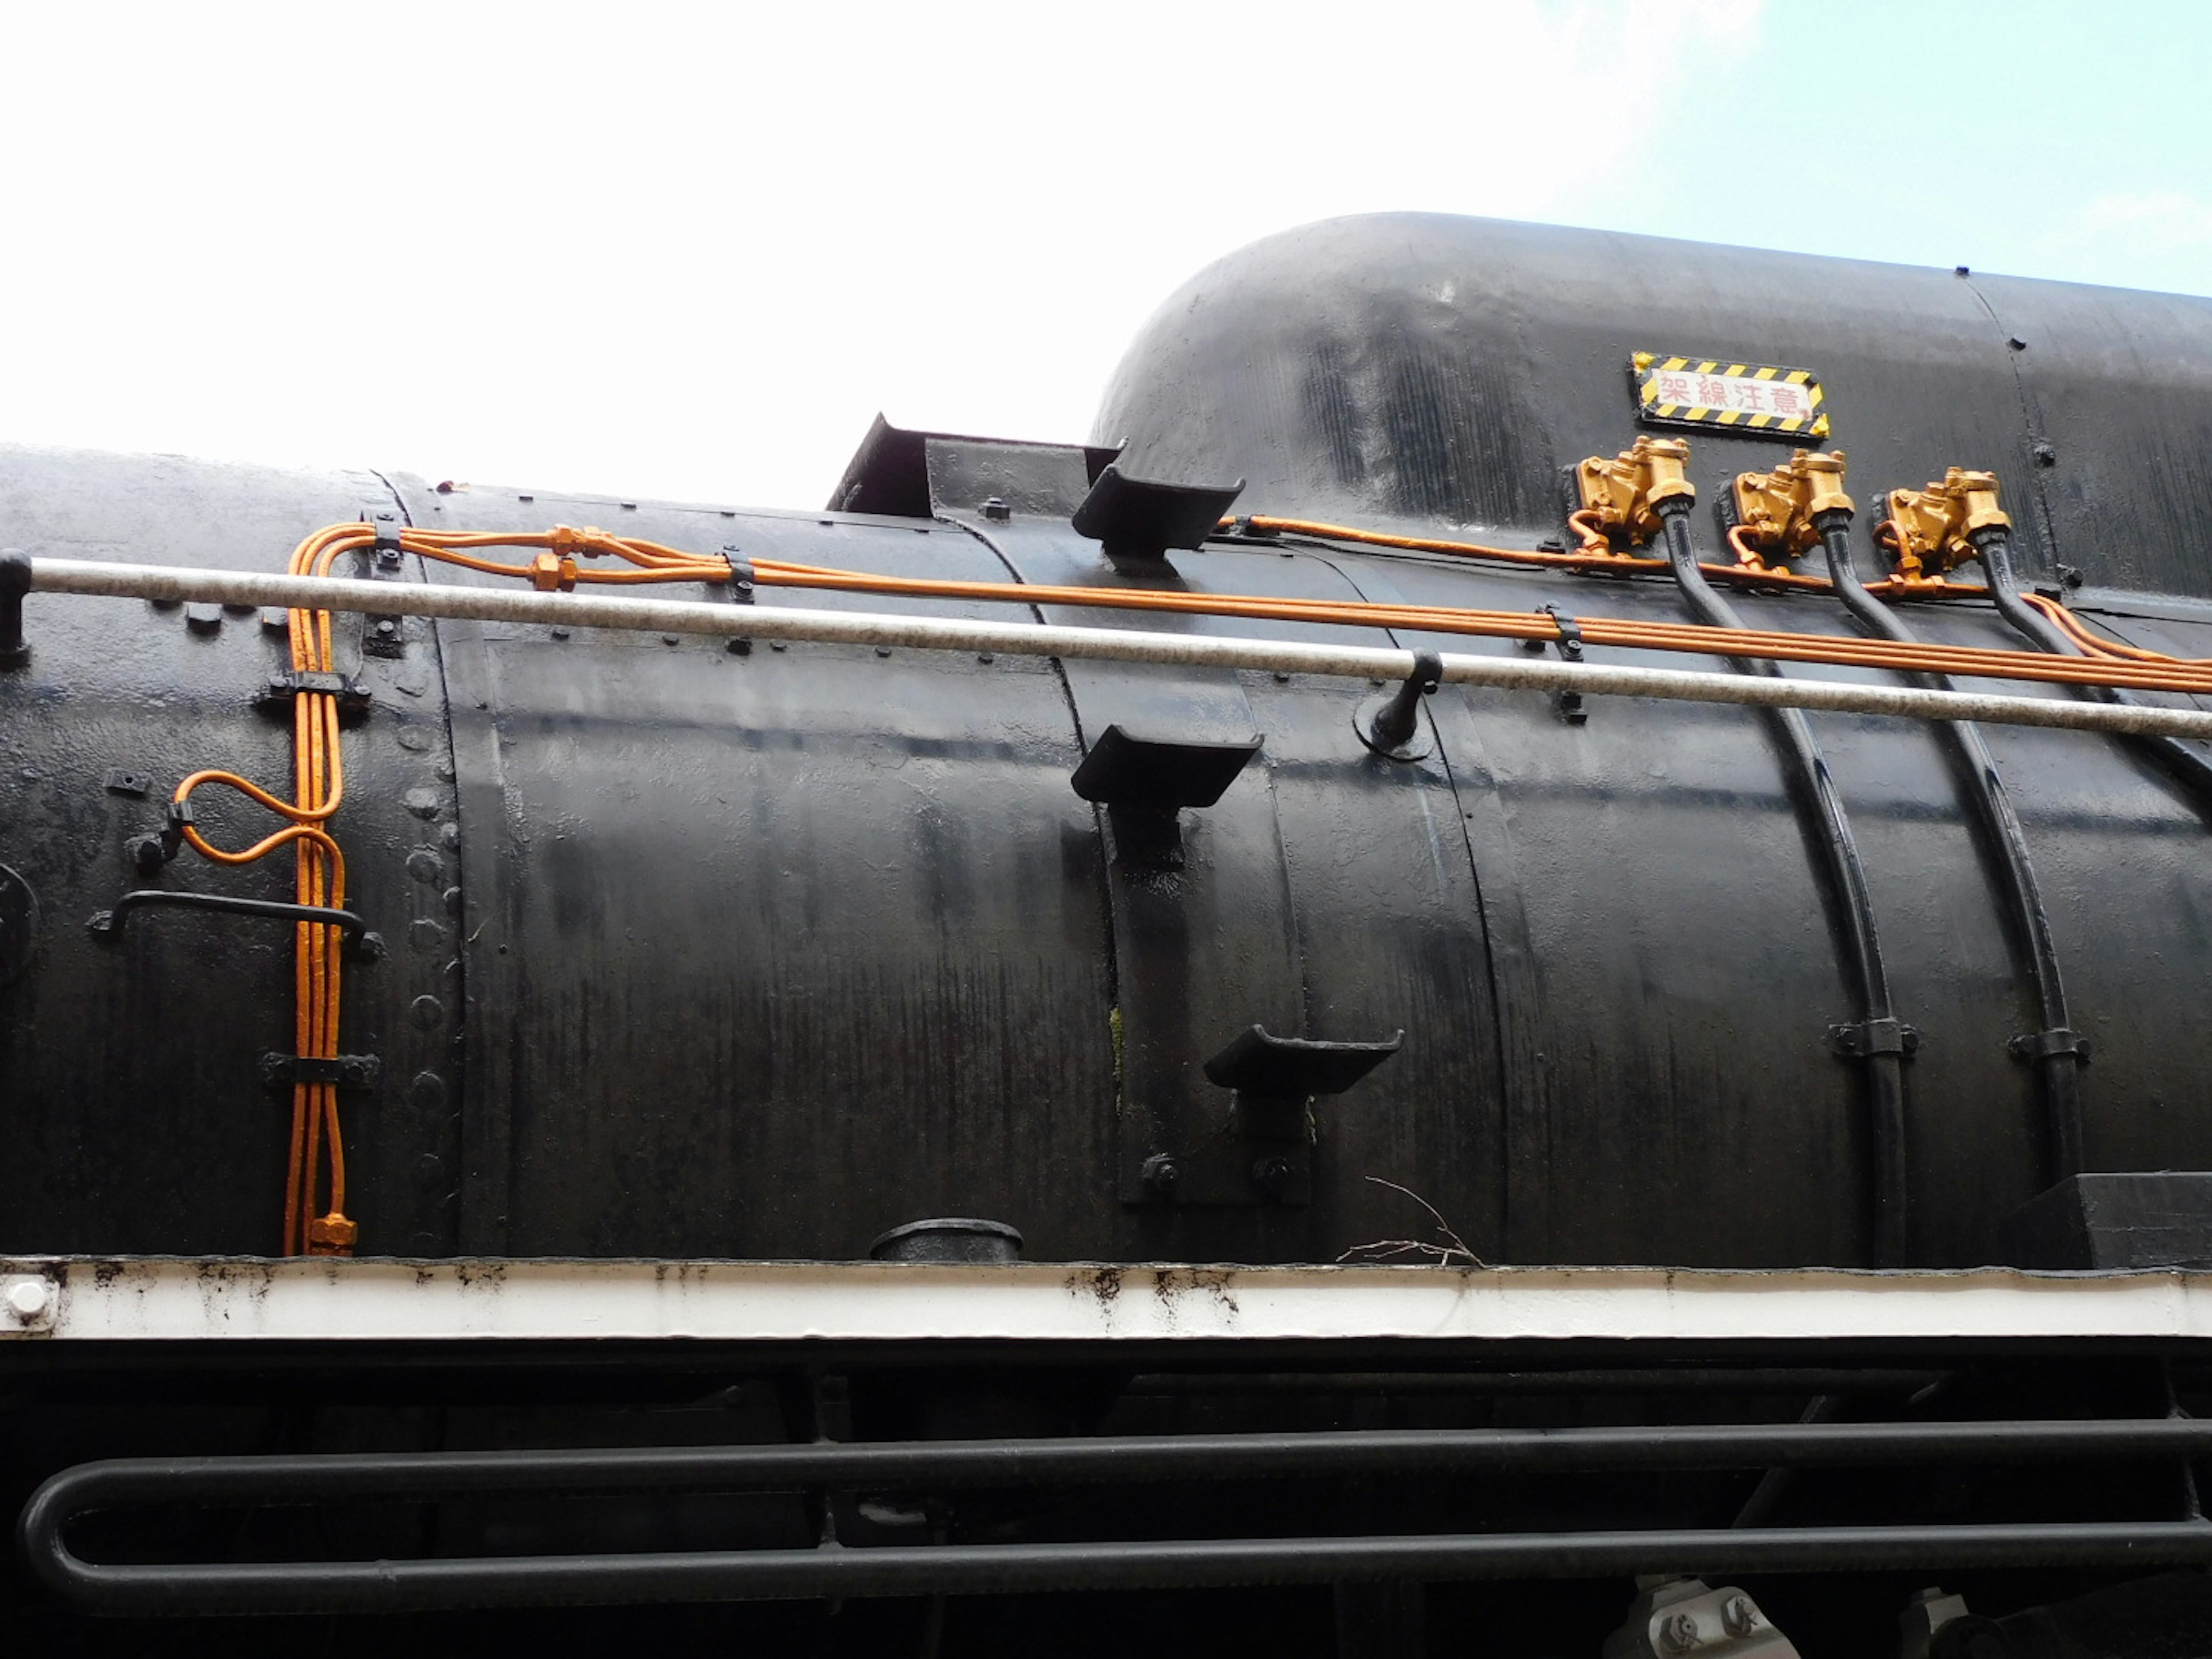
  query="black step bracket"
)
[
  {"x": 1261, "y": 1065},
  {"x": 1262, "y": 1152},
  {"x": 1161, "y": 774},
  {"x": 1392, "y": 725},
  {"x": 352, "y": 695},
  {"x": 1139, "y": 520},
  {"x": 1144, "y": 784},
  {"x": 345, "y": 1071},
  {"x": 902, "y": 472},
  {"x": 1875, "y": 1037}
]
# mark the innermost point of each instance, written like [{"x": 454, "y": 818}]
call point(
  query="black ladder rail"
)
[
  {"x": 1881, "y": 1049},
  {"x": 2060, "y": 1056}
]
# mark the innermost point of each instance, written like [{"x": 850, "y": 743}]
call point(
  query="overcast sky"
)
[{"x": 689, "y": 250}]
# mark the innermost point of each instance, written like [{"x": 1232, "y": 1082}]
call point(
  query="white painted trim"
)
[{"x": 170, "y": 1299}]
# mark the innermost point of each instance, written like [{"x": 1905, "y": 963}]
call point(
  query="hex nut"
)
[{"x": 29, "y": 1298}]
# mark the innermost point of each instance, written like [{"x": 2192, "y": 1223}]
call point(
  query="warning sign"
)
[{"x": 1784, "y": 403}]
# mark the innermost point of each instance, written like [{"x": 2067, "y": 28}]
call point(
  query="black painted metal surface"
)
[
  {"x": 1434, "y": 375},
  {"x": 704, "y": 952}
]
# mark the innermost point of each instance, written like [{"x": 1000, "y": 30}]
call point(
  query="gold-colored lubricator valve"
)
[
  {"x": 1620, "y": 497},
  {"x": 1930, "y": 528},
  {"x": 1775, "y": 511}
]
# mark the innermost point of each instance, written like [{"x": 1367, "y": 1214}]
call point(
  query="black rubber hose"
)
[
  {"x": 2058, "y": 1074},
  {"x": 1881, "y": 1051},
  {"x": 2176, "y": 758}
]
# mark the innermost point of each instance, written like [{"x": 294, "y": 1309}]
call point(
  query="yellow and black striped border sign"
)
[{"x": 1783, "y": 403}]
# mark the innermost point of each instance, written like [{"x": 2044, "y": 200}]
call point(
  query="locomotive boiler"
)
[{"x": 1517, "y": 972}]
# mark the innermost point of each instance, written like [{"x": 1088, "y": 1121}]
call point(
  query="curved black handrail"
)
[{"x": 108, "y": 923}]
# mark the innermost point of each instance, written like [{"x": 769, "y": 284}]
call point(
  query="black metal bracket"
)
[
  {"x": 148, "y": 853},
  {"x": 2049, "y": 1045},
  {"x": 382, "y": 635},
  {"x": 1264, "y": 1066},
  {"x": 386, "y": 548},
  {"x": 1139, "y": 520},
  {"x": 108, "y": 923},
  {"x": 343, "y": 1071},
  {"x": 920, "y": 474},
  {"x": 1145, "y": 783},
  {"x": 15, "y": 583},
  {"x": 352, "y": 696},
  {"x": 1163, "y": 773},
  {"x": 1874, "y": 1036},
  {"x": 1392, "y": 727},
  {"x": 741, "y": 575},
  {"x": 1570, "y": 644},
  {"x": 2117, "y": 1219},
  {"x": 1272, "y": 1081}
]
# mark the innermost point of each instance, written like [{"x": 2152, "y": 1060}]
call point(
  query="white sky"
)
[{"x": 688, "y": 250}]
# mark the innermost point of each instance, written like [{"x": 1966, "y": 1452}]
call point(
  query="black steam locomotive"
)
[{"x": 1439, "y": 998}]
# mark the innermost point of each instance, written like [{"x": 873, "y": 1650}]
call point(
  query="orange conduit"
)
[
  {"x": 317, "y": 1147},
  {"x": 1974, "y": 662},
  {"x": 2109, "y": 665}
]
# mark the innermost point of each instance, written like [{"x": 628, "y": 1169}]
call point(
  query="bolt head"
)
[
  {"x": 1739, "y": 1616},
  {"x": 1271, "y": 1176},
  {"x": 27, "y": 1299},
  {"x": 1679, "y": 1634}
]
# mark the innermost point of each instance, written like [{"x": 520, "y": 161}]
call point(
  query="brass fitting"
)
[
  {"x": 1934, "y": 526},
  {"x": 1621, "y": 496},
  {"x": 1775, "y": 512},
  {"x": 549, "y": 572},
  {"x": 332, "y": 1234}
]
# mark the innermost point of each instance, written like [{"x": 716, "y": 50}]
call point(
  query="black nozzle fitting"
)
[{"x": 1395, "y": 722}]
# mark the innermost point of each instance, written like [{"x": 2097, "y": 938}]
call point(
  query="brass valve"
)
[
  {"x": 1932, "y": 525},
  {"x": 1621, "y": 496},
  {"x": 1776, "y": 510}
]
